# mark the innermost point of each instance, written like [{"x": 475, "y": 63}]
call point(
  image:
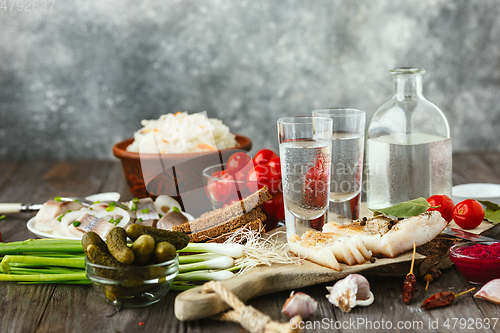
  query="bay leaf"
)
[
  {"x": 404, "y": 209},
  {"x": 492, "y": 211},
  {"x": 490, "y": 205}
]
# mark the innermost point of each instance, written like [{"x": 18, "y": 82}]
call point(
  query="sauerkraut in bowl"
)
[{"x": 180, "y": 132}]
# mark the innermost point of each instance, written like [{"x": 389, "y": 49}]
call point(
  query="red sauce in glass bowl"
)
[{"x": 478, "y": 262}]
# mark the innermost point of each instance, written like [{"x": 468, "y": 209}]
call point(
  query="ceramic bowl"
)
[
  {"x": 475, "y": 269},
  {"x": 176, "y": 175},
  {"x": 481, "y": 191},
  {"x": 133, "y": 286}
]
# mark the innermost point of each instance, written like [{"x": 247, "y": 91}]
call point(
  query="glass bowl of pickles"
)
[
  {"x": 133, "y": 286},
  {"x": 137, "y": 274}
]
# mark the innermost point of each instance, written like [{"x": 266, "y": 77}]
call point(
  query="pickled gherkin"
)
[{"x": 178, "y": 239}]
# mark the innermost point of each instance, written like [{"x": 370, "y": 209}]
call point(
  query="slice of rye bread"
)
[
  {"x": 228, "y": 226},
  {"x": 218, "y": 216},
  {"x": 254, "y": 225}
]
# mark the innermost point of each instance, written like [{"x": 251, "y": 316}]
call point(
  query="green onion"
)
[
  {"x": 40, "y": 261},
  {"x": 112, "y": 204},
  {"x": 160, "y": 215},
  {"x": 96, "y": 202},
  {"x": 2, "y": 217},
  {"x": 44, "y": 278},
  {"x": 133, "y": 208},
  {"x": 41, "y": 245},
  {"x": 57, "y": 199},
  {"x": 60, "y": 217},
  {"x": 217, "y": 263},
  {"x": 135, "y": 200},
  {"x": 189, "y": 259},
  {"x": 76, "y": 223},
  {"x": 204, "y": 276},
  {"x": 110, "y": 209},
  {"x": 231, "y": 250},
  {"x": 175, "y": 209},
  {"x": 140, "y": 219},
  {"x": 145, "y": 211}
]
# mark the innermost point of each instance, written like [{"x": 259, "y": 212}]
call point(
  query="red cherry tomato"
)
[
  {"x": 259, "y": 176},
  {"x": 317, "y": 188},
  {"x": 239, "y": 161},
  {"x": 217, "y": 187},
  {"x": 445, "y": 205},
  {"x": 272, "y": 206},
  {"x": 264, "y": 156},
  {"x": 275, "y": 165},
  {"x": 280, "y": 214},
  {"x": 236, "y": 185},
  {"x": 468, "y": 214}
]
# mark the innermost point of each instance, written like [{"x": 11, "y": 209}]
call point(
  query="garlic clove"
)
[
  {"x": 351, "y": 291},
  {"x": 490, "y": 291},
  {"x": 299, "y": 304}
]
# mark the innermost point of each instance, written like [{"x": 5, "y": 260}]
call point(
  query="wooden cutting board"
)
[{"x": 193, "y": 304}]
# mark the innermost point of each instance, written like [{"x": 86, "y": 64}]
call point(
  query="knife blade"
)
[{"x": 468, "y": 235}]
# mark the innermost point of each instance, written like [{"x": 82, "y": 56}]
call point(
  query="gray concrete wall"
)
[{"x": 78, "y": 78}]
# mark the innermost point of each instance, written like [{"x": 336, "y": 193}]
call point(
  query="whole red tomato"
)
[
  {"x": 259, "y": 176},
  {"x": 264, "y": 156},
  {"x": 445, "y": 205},
  {"x": 239, "y": 161},
  {"x": 468, "y": 214},
  {"x": 275, "y": 165}
]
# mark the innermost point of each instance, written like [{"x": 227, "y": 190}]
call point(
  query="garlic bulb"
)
[
  {"x": 349, "y": 292},
  {"x": 490, "y": 291},
  {"x": 299, "y": 304}
]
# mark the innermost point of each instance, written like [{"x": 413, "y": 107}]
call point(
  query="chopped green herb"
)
[
  {"x": 58, "y": 199},
  {"x": 76, "y": 223},
  {"x": 60, "y": 217},
  {"x": 2, "y": 217},
  {"x": 145, "y": 211},
  {"x": 118, "y": 220},
  {"x": 133, "y": 208},
  {"x": 96, "y": 202},
  {"x": 76, "y": 200},
  {"x": 110, "y": 209},
  {"x": 160, "y": 215},
  {"x": 135, "y": 200},
  {"x": 112, "y": 204},
  {"x": 91, "y": 208},
  {"x": 123, "y": 207},
  {"x": 68, "y": 211},
  {"x": 175, "y": 209},
  {"x": 140, "y": 219}
]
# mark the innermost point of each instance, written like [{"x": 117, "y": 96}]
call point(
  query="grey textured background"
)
[{"x": 79, "y": 78}]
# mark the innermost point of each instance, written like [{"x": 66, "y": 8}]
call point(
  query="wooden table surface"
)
[{"x": 66, "y": 308}]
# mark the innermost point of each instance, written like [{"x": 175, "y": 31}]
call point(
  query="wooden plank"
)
[
  {"x": 23, "y": 306},
  {"x": 193, "y": 304},
  {"x": 115, "y": 181}
]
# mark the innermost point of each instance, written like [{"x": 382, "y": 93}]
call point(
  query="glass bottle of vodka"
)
[{"x": 408, "y": 147}]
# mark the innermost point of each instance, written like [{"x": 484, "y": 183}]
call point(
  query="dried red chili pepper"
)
[
  {"x": 410, "y": 284},
  {"x": 431, "y": 275},
  {"x": 441, "y": 299}
]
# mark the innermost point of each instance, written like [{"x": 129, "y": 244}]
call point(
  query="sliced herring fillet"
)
[
  {"x": 92, "y": 223},
  {"x": 51, "y": 209},
  {"x": 420, "y": 229}
]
